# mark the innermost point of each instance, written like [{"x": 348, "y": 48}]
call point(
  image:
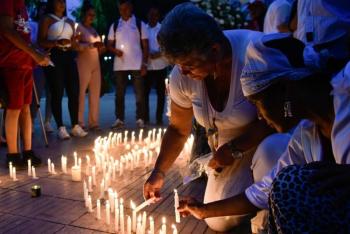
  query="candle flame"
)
[
  {"x": 163, "y": 220},
  {"x": 132, "y": 204}
]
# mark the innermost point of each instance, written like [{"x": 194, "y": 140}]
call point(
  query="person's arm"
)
[
  {"x": 111, "y": 43},
  {"x": 145, "y": 54},
  {"x": 236, "y": 205},
  {"x": 173, "y": 141},
  {"x": 8, "y": 31}
]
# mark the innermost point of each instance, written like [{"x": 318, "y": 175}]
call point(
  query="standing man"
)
[
  {"x": 157, "y": 66},
  {"x": 128, "y": 40},
  {"x": 16, "y": 70}
]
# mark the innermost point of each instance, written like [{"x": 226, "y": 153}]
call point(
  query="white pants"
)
[{"x": 234, "y": 179}]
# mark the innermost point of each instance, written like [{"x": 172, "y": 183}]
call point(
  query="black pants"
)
[
  {"x": 63, "y": 76},
  {"x": 155, "y": 78},
  {"x": 121, "y": 80}
]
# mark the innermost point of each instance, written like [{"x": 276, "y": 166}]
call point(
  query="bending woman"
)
[
  {"x": 205, "y": 84},
  {"x": 285, "y": 92}
]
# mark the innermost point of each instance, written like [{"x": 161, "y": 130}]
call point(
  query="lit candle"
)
[
  {"x": 86, "y": 194},
  {"x": 151, "y": 225},
  {"x": 133, "y": 207},
  {"x": 34, "y": 173},
  {"x": 122, "y": 46},
  {"x": 53, "y": 169},
  {"x": 87, "y": 169},
  {"x": 128, "y": 229},
  {"x": 14, "y": 174},
  {"x": 145, "y": 203},
  {"x": 144, "y": 222},
  {"x": 49, "y": 165},
  {"x": 116, "y": 218},
  {"x": 140, "y": 135},
  {"x": 10, "y": 169},
  {"x": 90, "y": 183},
  {"x": 94, "y": 176},
  {"x": 111, "y": 198},
  {"x": 164, "y": 225},
  {"x": 176, "y": 204},
  {"x": 98, "y": 209},
  {"x": 166, "y": 82},
  {"x": 122, "y": 228},
  {"x": 79, "y": 162},
  {"x": 102, "y": 188},
  {"x": 139, "y": 225},
  {"x": 103, "y": 38},
  {"x": 108, "y": 213},
  {"x": 90, "y": 204},
  {"x": 76, "y": 173},
  {"x": 29, "y": 167},
  {"x": 174, "y": 229}
]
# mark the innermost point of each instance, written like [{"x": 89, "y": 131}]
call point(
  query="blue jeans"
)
[{"x": 121, "y": 80}]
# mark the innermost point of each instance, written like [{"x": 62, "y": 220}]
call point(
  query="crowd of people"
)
[{"x": 274, "y": 101}]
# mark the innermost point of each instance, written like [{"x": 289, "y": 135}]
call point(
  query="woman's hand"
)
[
  {"x": 63, "y": 42},
  {"x": 99, "y": 45},
  {"x": 41, "y": 58},
  {"x": 332, "y": 176},
  {"x": 151, "y": 189},
  {"x": 221, "y": 158},
  {"x": 190, "y": 206}
]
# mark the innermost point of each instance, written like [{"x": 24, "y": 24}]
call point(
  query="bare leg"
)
[
  {"x": 26, "y": 127},
  {"x": 11, "y": 129}
]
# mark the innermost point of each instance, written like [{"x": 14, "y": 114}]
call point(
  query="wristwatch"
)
[{"x": 235, "y": 153}]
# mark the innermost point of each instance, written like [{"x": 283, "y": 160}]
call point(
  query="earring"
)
[{"x": 288, "y": 109}]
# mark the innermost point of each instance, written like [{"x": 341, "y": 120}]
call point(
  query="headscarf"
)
[{"x": 265, "y": 65}]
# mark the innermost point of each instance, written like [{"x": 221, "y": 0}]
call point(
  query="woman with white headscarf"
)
[{"x": 300, "y": 197}]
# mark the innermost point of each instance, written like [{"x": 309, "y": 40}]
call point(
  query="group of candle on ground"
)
[
  {"x": 31, "y": 171},
  {"x": 114, "y": 204}
]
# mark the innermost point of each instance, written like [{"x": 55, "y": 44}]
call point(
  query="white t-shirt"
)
[
  {"x": 158, "y": 63},
  {"x": 238, "y": 113},
  {"x": 278, "y": 13},
  {"x": 127, "y": 39},
  {"x": 305, "y": 144}
]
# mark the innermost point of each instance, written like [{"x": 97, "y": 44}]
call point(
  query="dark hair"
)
[
  {"x": 50, "y": 7},
  {"x": 38, "y": 14},
  {"x": 87, "y": 5},
  {"x": 120, "y": 2},
  {"x": 187, "y": 29}
]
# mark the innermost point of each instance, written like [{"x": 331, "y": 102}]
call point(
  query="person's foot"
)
[
  {"x": 77, "y": 131},
  {"x": 29, "y": 154},
  {"x": 16, "y": 160},
  {"x": 48, "y": 127},
  {"x": 95, "y": 128},
  {"x": 140, "y": 123},
  {"x": 118, "y": 124},
  {"x": 63, "y": 134}
]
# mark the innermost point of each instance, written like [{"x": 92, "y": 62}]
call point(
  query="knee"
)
[{"x": 268, "y": 153}]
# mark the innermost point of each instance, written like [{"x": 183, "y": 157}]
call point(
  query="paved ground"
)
[{"x": 61, "y": 208}]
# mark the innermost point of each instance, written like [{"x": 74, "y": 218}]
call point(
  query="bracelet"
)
[{"x": 159, "y": 172}]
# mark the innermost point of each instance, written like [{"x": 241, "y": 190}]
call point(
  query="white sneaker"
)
[
  {"x": 140, "y": 123},
  {"x": 77, "y": 131},
  {"x": 48, "y": 127},
  {"x": 118, "y": 124},
  {"x": 62, "y": 133}
]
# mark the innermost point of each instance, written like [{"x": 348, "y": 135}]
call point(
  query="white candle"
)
[
  {"x": 122, "y": 228},
  {"x": 166, "y": 82},
  {"x": 90, "y": 183},
  {"x": 116, "y": 219},
  {"x": 34, "y": 173},
  {"x": 98, "y": 209},
  {"x": 10, "y": 169},
  {"x": 151, "y": 225},
  {"x": 108, "y": 213},
  {"x": 121, "y": 168},
  {"x": 133, "y": 207},
  {"x": 176, "y": 204},
  {"x": 94, "y": 176},
  {"x": 144, "y": 204},
  {"x": 140, "y": 135},
  {"x": 144, "y": 222},
  {"x": 79, "y": 162},
  {"x": 174, "y": 229},
  {"x": 29, "y": 167},
  {"x": 139, "y": 225},
  {"x": 75, "y": 159},
  {"x": 111, "y": 198},
  {"x": 64, "y": 164},
  {"x": 164, "y": 225},
  {"x": 76, "y": 173},
  {"x": 103, "y": 38},
  {"x": 87, "y": 169},
  {"x": 14, "y": 174},
  {"x": 128, "y": 229},
  {"x": 53, "y": 171},
  {"x": 102, "y": 188},
  {"x": 90, "y": 204},
  {"x": 86, "y": 194},
  {"x": 49, "y": 165}
]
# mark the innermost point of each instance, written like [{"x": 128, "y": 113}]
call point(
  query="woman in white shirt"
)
[
  {"x": 285, "y": 91},
  {"x": 205, "y": 84}
]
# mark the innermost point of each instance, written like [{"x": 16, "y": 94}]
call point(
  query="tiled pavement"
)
[{"x": 61, "y": 209}]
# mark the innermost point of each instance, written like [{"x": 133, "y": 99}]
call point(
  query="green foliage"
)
[{"x": 228, "y": 17}]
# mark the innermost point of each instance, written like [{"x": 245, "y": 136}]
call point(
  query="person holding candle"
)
[
  {"x": 17, "y": 57},
  {"x": 57, "y": 35},
  {"x": 157, "y": 66},
  {"x": 128, "y": 40},
  {"x": 314, "y": 169},
  {"x": 205, "y": 84},
  {"x": 90, "y": 46}
]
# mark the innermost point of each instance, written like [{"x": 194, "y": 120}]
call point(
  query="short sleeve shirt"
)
[
  {"x": 10, "y": 55},
  {"x": 127, "y": 39}
]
